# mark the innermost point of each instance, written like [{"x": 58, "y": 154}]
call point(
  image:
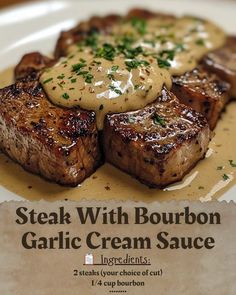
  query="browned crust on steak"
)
[
  {"x": 32, "y": 63},
  {"x": 223, "y": 62},
  {"x": 157, "y": 155},
  {"x": 99, "y": 24},
  {"x": 205, "y": 92},
  {"x": 78, "y": 33},
  {"x": 59, "y": 144},
  {"x": 147, "y": 14}
]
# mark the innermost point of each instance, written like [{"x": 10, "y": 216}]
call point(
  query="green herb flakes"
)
[
  {"x": 114, "y": 68},
  {"x": 65, "y": 95},
  {"x": 158, "y": 120},
  {"x": 77, "y": 67},
  {"x": 139, "y": 24},
  {"x": 88, "y": 78},
  {"x": 163, "y": 63},
  {"x": 116, "y": 90},
  {"x": 47, "y": 81},
  {"x": 225, "y": 177},
  {"x": 107, "y": 51},
  {"x": 134, "y": 64},
  {"x": 62, "y": 76},
  {"x": 200, "y": 42}
]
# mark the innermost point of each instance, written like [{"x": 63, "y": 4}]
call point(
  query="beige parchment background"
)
[{"x": 185, "y": 272}]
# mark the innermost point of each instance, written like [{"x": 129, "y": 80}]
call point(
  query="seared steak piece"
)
[
  {"x": 31, "y": 63},
  {"x": 147, "y": 14},
  {"x": 223, "y": 62},
  {"x": 158, "y": 144},
  {"x": 59, "y": 144},
  {"x": 83, "y": 29},
  {"x": 205, "y": 92},
  {"x": 98, "y": 24}
]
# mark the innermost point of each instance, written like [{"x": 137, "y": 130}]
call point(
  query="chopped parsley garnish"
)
[
  {"x": 96, "y": 62},
  {"x": 163, "y": 63},
  {"x": 47, "y": 81},
  {"x": 85, "y": 74},
  {"x": 158, "y": 120},
  {"x": 78, "y": 67},
  {"x": 139, "y": 24},
  {"x": 65, "y": 95},
  {"x": 111, "y": 76},
  {"x": 220, "y": 168},
  {"x": 116, "y": 90},
  {"x": 82, "y": 73},
  {"x": 137, "y": 86},
  {"x": 200, "y": 42},
  {"x": 91, "y": 41},
  {"x": 134, "y": 64},
  {"x": 107, "y": 51},
  {"x": 225, "y": 177},
  {"x": 169, "y": 54},
  {"x": 232, "y": 164},
  {"x": 128, "y": 51},
  {"x": 73, "y": 80},
  {"x": 114, "y": 68},
  {"x": 62, "y": 76},
  {"x": 88, "y": 78},
  {"x": 59, "y": 84}
]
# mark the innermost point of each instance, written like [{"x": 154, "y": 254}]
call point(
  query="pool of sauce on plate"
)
[
  {"x": 126, "y": 69},
  {"x": 209, "y": 180}
]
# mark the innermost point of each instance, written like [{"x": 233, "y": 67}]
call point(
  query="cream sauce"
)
[
  {"x": 129, "y": 71},
  {"x": 207, "y": 181}
]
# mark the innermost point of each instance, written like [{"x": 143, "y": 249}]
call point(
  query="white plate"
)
[{"x": 36, "y": 26}]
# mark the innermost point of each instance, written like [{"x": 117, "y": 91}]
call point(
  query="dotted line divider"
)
[{"x": 117, "y": 291}]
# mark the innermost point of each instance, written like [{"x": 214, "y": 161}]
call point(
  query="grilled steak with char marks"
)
[
  {"x": 158, "y": 144},
  {"x": 32, "y": 63},
  {"x": 59, "y": 144},
  {"x": 83, "y": 29},
  {"x": 223, "y": 62},
  {"x": 205, "y": 92}
]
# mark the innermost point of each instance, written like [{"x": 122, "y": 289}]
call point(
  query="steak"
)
[
  {"x": 59, "y": 144},
  {"x": 98, "y": 24},
  {"x": 223, "y": 62},
  {"x": 204, "y": 91},
  {"x": 201, "y": 89},
  {"x": 158, "y": 144},
  {"x": 32, "y": 63},
  {"x": 83, "y": 29}
]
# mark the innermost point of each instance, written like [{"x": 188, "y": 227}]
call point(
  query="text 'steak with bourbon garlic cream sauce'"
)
[
  {"x": 126, "y": 69},
  {"x": 122, "y": 71}
]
